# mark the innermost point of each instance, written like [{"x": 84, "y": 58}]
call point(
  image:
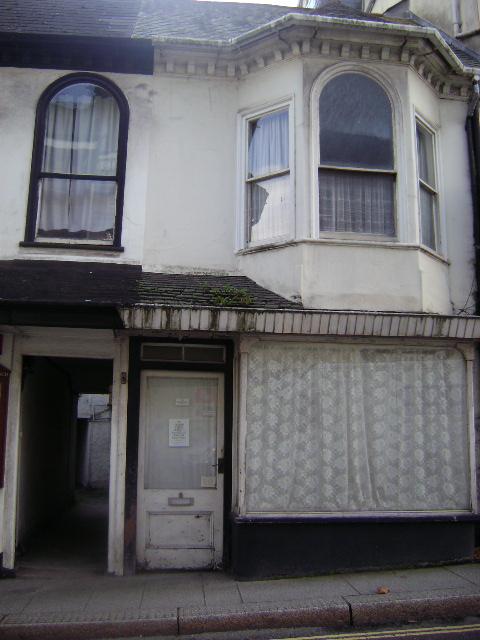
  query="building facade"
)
[{"x": 257, "y": 225}]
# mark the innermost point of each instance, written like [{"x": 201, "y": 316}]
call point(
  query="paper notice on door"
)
[
  {"x": 182, "y": 402},
  {"x": 179, "y": 432}
]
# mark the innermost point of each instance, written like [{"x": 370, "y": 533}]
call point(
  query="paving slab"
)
[
  {"x": 295, "y": 589},
  {"x": 408, "y": 580},
  {"x": 116, "y": 597},
  {"x": 470, "y": 572},
  {"x": 58, "y": 601},
  {"x": 173, "y": 590},
  {"x": 14, "y": 602},
  {"x": 413, "y": 606},
  {"x": 220, "y": 592},
  {"x": 330, "y": 613}
]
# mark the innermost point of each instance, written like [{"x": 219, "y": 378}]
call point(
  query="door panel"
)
[{"x": 180, "y": 492}]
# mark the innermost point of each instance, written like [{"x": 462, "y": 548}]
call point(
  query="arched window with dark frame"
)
[
  {"x": 78, "y": 165},
  {"x": 356, "y": 177}
]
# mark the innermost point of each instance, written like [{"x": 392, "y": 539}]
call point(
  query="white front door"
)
[{"x": 180, "y": 489}]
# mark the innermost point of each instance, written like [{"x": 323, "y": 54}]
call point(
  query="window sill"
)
[
  {"x": 459, "y": 516},
  {"x": 372, "y": 243},
  {"x": 71, "y": 247}
]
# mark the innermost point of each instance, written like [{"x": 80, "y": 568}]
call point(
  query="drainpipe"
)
[
  {"x": 457, "y": 21},
  {"x": 473, "y": 136}
]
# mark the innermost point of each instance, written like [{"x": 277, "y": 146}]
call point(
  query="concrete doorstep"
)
[{"x": 46, "y": 610}]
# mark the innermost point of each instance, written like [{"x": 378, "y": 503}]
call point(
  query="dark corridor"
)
[{"x": 62, "y": 519}]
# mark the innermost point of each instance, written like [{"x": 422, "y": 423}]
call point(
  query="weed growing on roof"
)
[{"x": 229, "y": 296}]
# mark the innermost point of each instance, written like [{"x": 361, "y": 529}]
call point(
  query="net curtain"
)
[
  {"x": 269, "y": 206},
  {"x": 352, "y": 429},
  {"x": 81, "y": 137}
]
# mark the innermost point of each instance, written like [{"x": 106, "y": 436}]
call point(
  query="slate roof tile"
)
[
  {"x": 100, "y": 18},
  {"x": 100, "y": 284},
  {"x": 153, "y": 18}
]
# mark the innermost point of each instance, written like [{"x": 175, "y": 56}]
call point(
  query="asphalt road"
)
[
  {"x": 452, "y": 632},
  {"x": 460, "y": 631}
]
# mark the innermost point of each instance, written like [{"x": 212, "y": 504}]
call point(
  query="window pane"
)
[
  {"x": 196, "y": 353},
  {"x": 355, "y": 124},
  {"x": 181, "y": 433},
  {"x": 345, "y": 428},
  {"x": 357, "y": 202},
  {"x": 268, "y": 144},
  {"x": 427, "y": 218},
  {"x": 83, "y": 209},
  {"x": 269, "y": 207},
  {"x": 81, "y": 131},
  {"x": 170, "y": 352},
  {"x": 426, "y": 167}
]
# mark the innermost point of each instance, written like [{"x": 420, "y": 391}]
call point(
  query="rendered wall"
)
[
  {"x": 181, "y": 193},
  {"x": 190, "y": 221}
]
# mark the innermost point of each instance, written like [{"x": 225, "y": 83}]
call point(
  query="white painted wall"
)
[{"x": 191, "y": 178}]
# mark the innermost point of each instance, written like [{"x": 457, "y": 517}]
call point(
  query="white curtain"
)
[
  {"x": 269, "y": 200},
  {"x": 81, "y": 137},
  {"x": 268, "y": 144},
  {"x": 352, "y": 429},
  {"x": 356, "y": 202}
]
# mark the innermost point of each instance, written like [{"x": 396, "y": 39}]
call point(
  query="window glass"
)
[
  {"x": 355, "y": 124},
  {"x": 268, "y": 208},
  {"x": 356, "y": 202},
  {"x": 426, "y": 188},
  {"x": 181, "y": 433},
  {"x": 268, "y": 193},
  {"x": 342, "y": 428},
  {"x": 425, "y": 156},
  {"x": 81, "y": 131},
  {"x": 83, "y": 209},
  {"x": 356, "y": 179},
  {"x": 268, "y": 144}
]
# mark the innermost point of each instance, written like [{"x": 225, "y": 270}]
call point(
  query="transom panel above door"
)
[{"x": 180, "y": 471}]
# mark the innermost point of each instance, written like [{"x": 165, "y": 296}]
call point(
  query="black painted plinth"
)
[{"x": 262, "y": 549}]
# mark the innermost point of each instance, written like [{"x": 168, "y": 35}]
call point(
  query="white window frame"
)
[
  {"x": 439, "y": 248},
  {"x": 243, "y": 122},
  {"x": 399, "y": 161}
]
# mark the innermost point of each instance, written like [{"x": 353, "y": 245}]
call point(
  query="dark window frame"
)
[{"x": 36, "y": 173}]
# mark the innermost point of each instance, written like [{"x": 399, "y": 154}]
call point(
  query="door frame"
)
[
  {"x": 66, "y": 343},
  {"x": 136, "y": 366}
]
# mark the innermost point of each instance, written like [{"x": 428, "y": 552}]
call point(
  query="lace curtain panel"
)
[
  {"x": 352, "y": 429},
  {"x": 356, "y": 202},
  {"x": 81, "y": 137}
]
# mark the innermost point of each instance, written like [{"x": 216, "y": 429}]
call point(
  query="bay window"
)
[
  {"x": 78, "y": 168},
  {"x": 356, "y": 166},
  {"x": 268, "y": 194}
]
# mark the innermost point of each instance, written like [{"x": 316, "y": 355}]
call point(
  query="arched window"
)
[
  {"x": 78, "y": 166},
  {"x": 356, "y": 176}
]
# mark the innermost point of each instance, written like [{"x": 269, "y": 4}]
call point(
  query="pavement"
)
[{"x": 171, "y": 604}]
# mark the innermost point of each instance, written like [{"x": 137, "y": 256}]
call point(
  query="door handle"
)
[{"x": 220, "y": 464}]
